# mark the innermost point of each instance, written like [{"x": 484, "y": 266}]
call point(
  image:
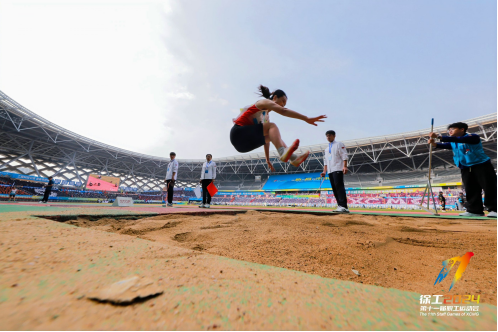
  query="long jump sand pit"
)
[
  {"x": 237, "y": 269},
  {"x": 394, "y": 252}
]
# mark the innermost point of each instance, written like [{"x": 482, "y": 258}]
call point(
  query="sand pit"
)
[{"x": 394, "y": 252}]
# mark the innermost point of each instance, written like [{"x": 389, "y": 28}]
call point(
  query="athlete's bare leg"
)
[{"x": 272, "y": 134}]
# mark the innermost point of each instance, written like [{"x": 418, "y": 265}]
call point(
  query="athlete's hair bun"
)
[{"x": 265, "y": 92}]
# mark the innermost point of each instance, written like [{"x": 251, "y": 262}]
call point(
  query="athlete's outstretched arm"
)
[{"x": 272, "y": 106}]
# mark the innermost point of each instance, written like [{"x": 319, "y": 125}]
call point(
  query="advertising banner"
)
[
  {"x": 239, "y": 193},
  {"x": 67, "y": 183},
  {"x": 23, "y": 177},
  {"x": 101, "y": 182},
  {"x": 123, "y": 201},
  {"x": 299, "y": 196},
  {"x": 38, "y": 179},
  {"x": 302, "y": 181},
  {"x": 312, "y": 181}
]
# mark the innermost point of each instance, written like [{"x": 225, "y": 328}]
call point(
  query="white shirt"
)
[
  {"x": 335, "y": 158},
  {"x": 172, "y": 167},
  {"x": 208, "y": 170}
]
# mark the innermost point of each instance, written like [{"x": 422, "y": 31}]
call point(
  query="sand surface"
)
[
  {"x": 394, "y": 252},
  {"x": 50, "y": 271}
]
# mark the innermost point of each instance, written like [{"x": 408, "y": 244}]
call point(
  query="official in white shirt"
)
[
  {"x": 335, "y": 164},
  {"x": 208, "y": 174},
  {"x": 171, "y": 175}
]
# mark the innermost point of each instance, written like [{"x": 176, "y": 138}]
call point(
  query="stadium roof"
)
[{"x": 33, "y": 143}]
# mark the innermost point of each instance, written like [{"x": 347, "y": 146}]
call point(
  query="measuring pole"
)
[{"x": 428, "y": 188}]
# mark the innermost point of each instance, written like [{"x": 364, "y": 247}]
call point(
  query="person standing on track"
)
[
  {"x": 208, "y": 174},
  {"x": 478, "y": 173},
  {"x": 171, "y": 175},
  {"x": 442, "y": 201},
  {"x": 48, "y": 190},
  {"x": 253, "y": 129},
  {"x": 461, "y": 202},
  {"x": 12, "y": 194},
  {"x": 335, "y": 164}
]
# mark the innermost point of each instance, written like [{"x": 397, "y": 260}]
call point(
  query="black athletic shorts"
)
[{"x": 247, "y": 138}]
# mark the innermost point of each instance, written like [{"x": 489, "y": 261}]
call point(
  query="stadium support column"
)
[
  {"x": 106, "y": 163},
  {"x": 413, "y": 162},
  {"x": 73, "y": 158},
  {"x": 31, "y": 158}
]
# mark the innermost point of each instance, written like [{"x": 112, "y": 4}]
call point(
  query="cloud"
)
[
  {"x": 108, "y": 80},
  {"x": 180, "y": 95},
  {"x": 220, "y": 101}
]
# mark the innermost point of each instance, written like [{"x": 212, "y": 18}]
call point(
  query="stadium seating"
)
[
  {"x": 5, "y": 189},
  {"x": 220, "y": 200},
  {"x": 20, "y": 183},
  {"x": 317, "y": 202},
  {"x": 293, "y": 201},
  {"x": 266, "y": 200}
]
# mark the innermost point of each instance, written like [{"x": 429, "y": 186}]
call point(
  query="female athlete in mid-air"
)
[{"x": 253, "y": 129}]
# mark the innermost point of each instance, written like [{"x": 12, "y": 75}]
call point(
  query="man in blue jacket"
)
[{"x": 477, "y": 170}]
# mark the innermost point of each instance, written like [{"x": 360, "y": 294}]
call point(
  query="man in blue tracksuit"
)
[{"x": 478, "y": 173}]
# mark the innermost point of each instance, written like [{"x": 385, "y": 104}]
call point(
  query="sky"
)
[{"x": 160, "y": 76}]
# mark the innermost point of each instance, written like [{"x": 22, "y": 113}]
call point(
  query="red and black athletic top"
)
[{"x": 245, "y": 117}]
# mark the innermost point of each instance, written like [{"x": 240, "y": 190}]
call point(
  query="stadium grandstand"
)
[{"x": 33, "y": 148}]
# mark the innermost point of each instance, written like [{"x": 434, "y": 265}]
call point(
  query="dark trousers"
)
[
  {"x": 170, "y": 184},
  {"x": 337, "y": 184},
  {"x": 475, "y": 179},
  {"x": 47, "y": 194},
  {"x": 206, "y": 197}
]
